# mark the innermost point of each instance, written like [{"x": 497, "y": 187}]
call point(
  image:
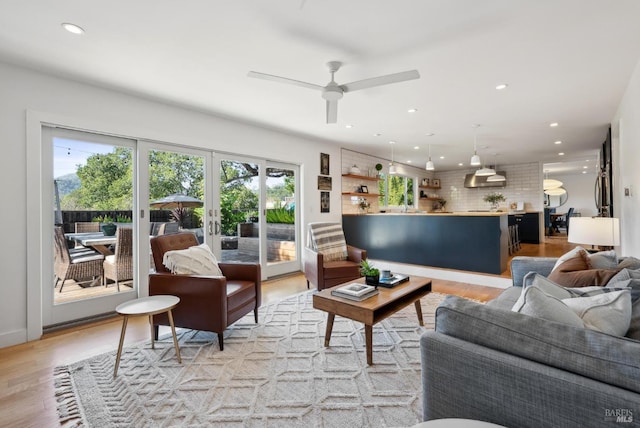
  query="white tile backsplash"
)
[{"x": 524, "y": 183}]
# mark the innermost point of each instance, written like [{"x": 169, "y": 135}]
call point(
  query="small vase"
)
[
  {"x": 108, "y": 229},
  {"x": 494, "y": 207}
]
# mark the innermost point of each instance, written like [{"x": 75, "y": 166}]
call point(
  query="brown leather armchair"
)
[
  {"x": 206, "y": 303},
  {"x": 324, "y": 274}
]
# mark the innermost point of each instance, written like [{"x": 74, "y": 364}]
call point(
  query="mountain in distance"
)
[{"x": 67, "y": 184}]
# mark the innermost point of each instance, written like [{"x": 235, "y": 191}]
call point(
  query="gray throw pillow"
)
[
  {"x": 629, "y": 263},
  {"x": 534, "y": 302},
  {"x": 604, "y": 260},
  {"x": 634, "y": 325},
  {"x": 609, "y": 313}
]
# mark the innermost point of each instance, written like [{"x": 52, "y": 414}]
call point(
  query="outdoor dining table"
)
[{"x": 95, "y": 240}]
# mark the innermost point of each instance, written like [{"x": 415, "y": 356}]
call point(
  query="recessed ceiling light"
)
[
  {"x": 348, "y": 126},
  {"x": 501, "y": 86},
  {"x": 430, "y": 134},
  {"x": 72, "y": 28},
  {"x": 553, "y": 125},
  {"x": 392, "y": 142},
  {"x": 408, "y": 161},
  {"x": 412, "y": 110},
  {"x": 441, "y": 157},
  {"x": 584, "y": 172},
  {"x": 561, "y": 154},
  {"x": 377, "y": 134},
  {"x": 585, "y": 167},
  {"x": 460, "y": 164},
  {"x": 416, "y": 147},
  {"x": 557, "y": 142}
]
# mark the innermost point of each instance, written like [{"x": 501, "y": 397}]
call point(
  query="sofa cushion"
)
[
  {"x": 575, "y": 270},
  {"x": 589, "y": 353},
  {"x": 196, "y": 260},
  {"x": 629, "y": 263},
  {"x": 634, "y": 285}
]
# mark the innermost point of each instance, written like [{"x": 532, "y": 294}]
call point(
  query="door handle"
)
[
  {"x": 217, "y": 231},
  {"x": 210, "y": 228}
]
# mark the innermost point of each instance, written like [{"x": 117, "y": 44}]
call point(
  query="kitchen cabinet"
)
[{"x": 528, "y": 226}]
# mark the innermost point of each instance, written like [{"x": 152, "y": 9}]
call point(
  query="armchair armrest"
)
[
  {"x": 244, "y": 272},
  {"x": 356, "y": 254}
]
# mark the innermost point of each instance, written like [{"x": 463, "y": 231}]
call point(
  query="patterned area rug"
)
[{"x": 274, "y": 374}]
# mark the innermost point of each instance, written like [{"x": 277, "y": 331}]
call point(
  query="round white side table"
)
[{"x": 148, "y": 306}]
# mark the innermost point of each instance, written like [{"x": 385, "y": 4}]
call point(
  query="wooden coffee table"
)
[{"x": 373, "y": 309}]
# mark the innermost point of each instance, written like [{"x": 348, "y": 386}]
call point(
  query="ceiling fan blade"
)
[
  {"x": 264, "y": 76},
  {"x": 382, "y": 80},
  {"x": 332, "y": 111}
]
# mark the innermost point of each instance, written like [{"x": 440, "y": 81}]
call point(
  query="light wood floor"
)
[{"x": 26, "y": 370}]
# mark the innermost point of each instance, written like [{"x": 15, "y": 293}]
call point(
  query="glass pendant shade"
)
[
  {"x": 475, "y": 160},
  {"x": 496, "y": 178},
  {"x": 392, "y": 169},
  {"x": 555, "y": 192},
  {"x": 550, "y": 183}
]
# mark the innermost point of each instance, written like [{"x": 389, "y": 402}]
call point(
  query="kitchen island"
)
[{"x": 471, "y": 241}]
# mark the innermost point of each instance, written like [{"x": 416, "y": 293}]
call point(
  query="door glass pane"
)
[
  {"x": 239, "y": 211},
  {"x": 281, "y": 215},
  {"x": 93, "y": 188},
  {"x": 176, "y": 193}
]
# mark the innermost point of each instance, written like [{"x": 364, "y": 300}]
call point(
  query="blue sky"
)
[{"x": 68, "y": 154}]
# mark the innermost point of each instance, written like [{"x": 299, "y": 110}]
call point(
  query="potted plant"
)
[
  {"x": 494, "y": 198},
  {"x": 378, "y": 168},
  {"x": 371, "y": 274},
  {"x": 107, "y": 225}
]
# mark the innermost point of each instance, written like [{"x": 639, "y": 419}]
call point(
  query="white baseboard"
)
[
  {"x": 11, "y": 338},
  {"x": 446, "y": 274}
]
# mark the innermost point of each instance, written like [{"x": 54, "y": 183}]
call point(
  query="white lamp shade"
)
[
  {"x": 392, "y": 169},
  {"x": 485, "y": 172},
  {"x": 430, "y": 166},
  {"x": 550, "y": 183},
  {"x": 604, "y": 231},
  {"x": 555, "y": 192},
  {"x": 475, "y": 160},
  {"x": 496, "y": 178}
]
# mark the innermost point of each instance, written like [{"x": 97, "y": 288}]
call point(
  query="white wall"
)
[
  {"x": 120, "y": 114},
  {"x": 580, "y": 191},
  {"x": 626, "y": 155}
]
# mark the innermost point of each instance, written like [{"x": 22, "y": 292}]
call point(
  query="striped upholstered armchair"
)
[{"x": 328, "y": 260}]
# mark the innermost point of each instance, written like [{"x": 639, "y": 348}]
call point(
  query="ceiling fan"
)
[{"x": 332, "y": 92}]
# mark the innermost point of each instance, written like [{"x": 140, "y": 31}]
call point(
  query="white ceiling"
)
[{"x": 565, "y": 61}]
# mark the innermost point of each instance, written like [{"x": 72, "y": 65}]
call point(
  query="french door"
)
[{"x": 92, "y": 182}]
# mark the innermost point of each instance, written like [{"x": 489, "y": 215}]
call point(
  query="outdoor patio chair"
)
[
  {"x": 328, "y": 260},
  {"x": 119, "y": 266},
  {"x": 87, "y": 226},
  {"x": 208, "y": 303},
  {"x": 76, "y": 264}
]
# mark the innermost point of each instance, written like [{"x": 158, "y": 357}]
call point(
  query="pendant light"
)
[
  {"x": 496, "y": 177},
  {"x": 558, "y": 191},
  {"x": 430, "y": 166},
  {"x": 392, "y": 167},
  {"x": 475, "y": 159}
]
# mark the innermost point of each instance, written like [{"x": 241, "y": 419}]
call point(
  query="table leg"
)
[
  {"x": 419, "y": 312},
  {"x": 153, "y": 336},
  {"x": 124, "y": 328},
  {"x": 327, "y": 334},
  {"x": 175, "y": 339},
  {"x": 368, "y": 335}
]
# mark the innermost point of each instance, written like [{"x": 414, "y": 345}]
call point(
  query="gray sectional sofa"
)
[{"x": 485, "y": 362}]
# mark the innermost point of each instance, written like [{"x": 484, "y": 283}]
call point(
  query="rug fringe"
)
[{"x": 69, "y": 412}]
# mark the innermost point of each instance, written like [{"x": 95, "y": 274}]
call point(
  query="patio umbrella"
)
[{"x": 177, "y": 201}]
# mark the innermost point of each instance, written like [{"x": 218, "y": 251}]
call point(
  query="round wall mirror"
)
[{"x": 555, "y": 201}]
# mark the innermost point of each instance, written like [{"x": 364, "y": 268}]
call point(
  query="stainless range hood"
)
[{"x": 472, "y": 181}]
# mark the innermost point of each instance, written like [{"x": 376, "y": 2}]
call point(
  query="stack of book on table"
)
[{"x": 355, "y": 291}]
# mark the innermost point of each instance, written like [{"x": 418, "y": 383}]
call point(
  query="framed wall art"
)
[
  {"x": 435, "y": 182},
  {"x": 324, "y": 183},
  {"x": 324, "y": 164},
  {"x": 325, "y": 202}
]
